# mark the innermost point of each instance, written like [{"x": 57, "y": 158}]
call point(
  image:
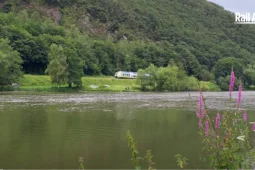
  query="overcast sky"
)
[{"x": 241, "y": 6}]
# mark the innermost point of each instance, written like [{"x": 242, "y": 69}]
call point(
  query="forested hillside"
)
[{"x": 105, "y": 36}]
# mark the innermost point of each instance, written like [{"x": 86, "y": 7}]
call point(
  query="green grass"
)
[
  {"x": 115, "y": 84},
  {"x": 43, "y": 83},
  {"x": 40, "y": 83},
  {"x": 35, "y": 80}
]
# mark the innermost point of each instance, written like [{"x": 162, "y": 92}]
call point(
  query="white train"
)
[{"x": 125, "y": 75}]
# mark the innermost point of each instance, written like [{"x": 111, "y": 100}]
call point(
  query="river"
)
[{"x": 51, "y": 131}]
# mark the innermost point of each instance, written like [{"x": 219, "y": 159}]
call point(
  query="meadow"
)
[{"x": 42, "y": 83}]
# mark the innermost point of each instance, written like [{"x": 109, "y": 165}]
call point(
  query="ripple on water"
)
[{"x": 186, "y": 100}]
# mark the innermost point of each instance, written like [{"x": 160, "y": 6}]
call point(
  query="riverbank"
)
[{"x": 40, "y": 83}]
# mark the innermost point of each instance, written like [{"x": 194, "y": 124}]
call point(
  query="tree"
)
[
  {"x": 147, "y": 78},
  {"x": 249, "y": 75},
  {"x": 58, "y": 67},
  {"x": 223, "y": 66},
  {"x": 10, "y": 64},
  {"x": 170, "y": 78},
  {"x": 75, "y": 67}
]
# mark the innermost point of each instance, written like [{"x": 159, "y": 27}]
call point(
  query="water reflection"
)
[{"x": 53, "y": 131}]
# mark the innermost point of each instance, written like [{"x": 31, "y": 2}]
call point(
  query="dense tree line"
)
[
  {"x": 10, "y": 63},
  {"x": 203, "y": 43}
]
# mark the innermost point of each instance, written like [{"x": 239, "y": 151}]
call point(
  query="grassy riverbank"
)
[{"x": 103, "y": 83}]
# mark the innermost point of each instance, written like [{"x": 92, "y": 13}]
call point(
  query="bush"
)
[{"x": 170, "y": 78}]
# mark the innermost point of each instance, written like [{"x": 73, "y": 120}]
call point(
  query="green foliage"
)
[
  {"x": 249, "y": 74},
  {"x": 58, "y": 67},
  {"x": 150, "y": 162},
  {"x": 134, "y": 151},
  {"x": 81, "y": 167},
  {"x": 75, "y": 66},
  {"x": 10, "y": 64},
  {"x": 224, "y": 83},
  {"x": 170, "y": 78},
  {"x": 230, "y": 148},
  {"x": 147, "y": 78},
  {"x": 200, "y": 37},
  {"x": 223, "y": 66},
  {"x": 43, "y": 83},
  {"x": 181, "y": 160},
  {"x": 226, "y": 138},
  {"x": 64, "y": 69},
  {"x": 6, "y": 8},
  {"x": 131, "y": 144},
  {"x": 35, "y": 80},
  {"x": 207, "y": 86},
  {"x": 203, "y": 42}
]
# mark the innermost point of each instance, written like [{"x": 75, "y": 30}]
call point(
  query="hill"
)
[{"x": 112, "y": 35}]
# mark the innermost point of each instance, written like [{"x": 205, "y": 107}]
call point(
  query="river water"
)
[{"x": 51, "y": 131}]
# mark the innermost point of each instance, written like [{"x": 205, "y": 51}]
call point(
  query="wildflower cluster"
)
[{"x": 226, "y": 137}]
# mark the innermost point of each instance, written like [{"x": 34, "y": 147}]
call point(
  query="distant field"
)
[{"x": 104, "y": 83}]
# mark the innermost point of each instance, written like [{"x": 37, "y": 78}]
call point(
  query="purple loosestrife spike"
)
[
  {"x": 232, "y": 82},
  {"x": 198, "y": 115},
  {"x": 232, "y": 79},
  {"x": 200, "y": 104},
  {"x": 206, "y": 128},
  {"x": 239, "y": 95},
  {"x": 230, "y": 91},
  {"x": 202, "y": 114},
  {"x": 245, "y": 116},
  {"x": 200, "y": 124},
  {"x": 253, "y": 127},
  {"x": 217, "y": 121}
]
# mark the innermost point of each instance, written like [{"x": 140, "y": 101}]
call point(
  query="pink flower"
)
[
  {"x": 232, "y": 79},
  {"x": 200, "y": 112},
  {"x": 217, "y": 121},
  {"x": 198, "y": 115},
  {"x": 239, "y": 95},
  {"x": 245, "y": 116},
  {"x": 202, "y": 115},
  {"x": 206, "y": 128},
  {"x": 253, "y": 127},
  {"x": 200, "y": 104},
  {"x": 232, "y": 82},
  {"x": 200, "y": 124}
]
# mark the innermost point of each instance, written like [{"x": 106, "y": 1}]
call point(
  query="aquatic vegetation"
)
[
  {"x": 135, "y": 158},
  {"x": 181, "y": 160},
  {"x": 131, "y": 144},
  {"x": 81, "y": 167},
  {"x": 150, "y": 162}
]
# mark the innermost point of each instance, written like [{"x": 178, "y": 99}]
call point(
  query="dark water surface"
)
[{"x": 54, "y": 130}]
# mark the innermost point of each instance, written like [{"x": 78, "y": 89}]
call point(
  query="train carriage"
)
[{"x": 125, "y": 75}]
